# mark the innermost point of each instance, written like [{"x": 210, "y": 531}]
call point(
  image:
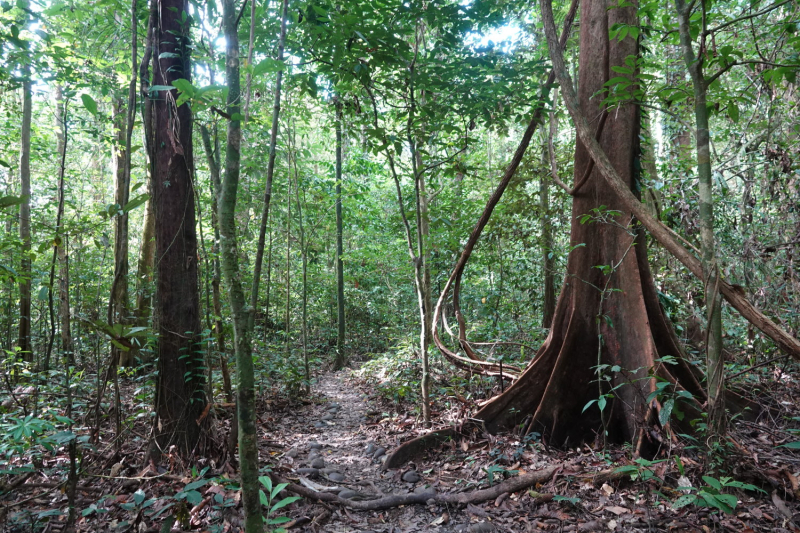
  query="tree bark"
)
[
  {"x": 341, "y": 358},
  {"x": 713, "y": 300},
  {"x": 118, "y": 306},
  {"x": 608, "y": 311},
  {"x": 212, "y": 154},
  {"x": 549, "y": 300},
  {"x": 180, "y": 393},
  {"x": 273, "y": 142},
  {"x": 24, "y": 336},
  {"x": 245, "y": 390}
]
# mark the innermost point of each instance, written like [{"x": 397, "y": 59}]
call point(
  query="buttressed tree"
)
[{"x": 609, "y": 336}]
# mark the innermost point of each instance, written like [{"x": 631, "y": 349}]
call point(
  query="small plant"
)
[
  {"x": 711, "y": 494},
  {"x": 269, "y": 500},
  {"x": 640, "y": 469}
]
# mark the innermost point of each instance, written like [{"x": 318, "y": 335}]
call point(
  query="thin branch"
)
[{"x": 747, "y": 17}]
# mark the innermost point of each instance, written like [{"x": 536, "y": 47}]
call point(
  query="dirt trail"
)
[{"x": 336, "y": 443}]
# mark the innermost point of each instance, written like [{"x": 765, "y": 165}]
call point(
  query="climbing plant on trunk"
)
[
  {"x": 180, "y": 397},
  {"x": 609, "y": 338}
]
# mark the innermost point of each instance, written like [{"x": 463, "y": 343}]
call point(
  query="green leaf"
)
[
  {"x": 184, "y": 86},
  {"x": 601, "y": 403},
  {"x": 791, "y": 445},
  {"x": 138, "y": 497},
  {"x": 159, "y": 88},
  {"x": 683, "y": 501},
  {"x": 195, "y": 485},
  {"x": 89, "y": 103},
  {"x": 283, "y": 503},
  {"x": 263, "y": 498},
  {"x": 8, "y": 201},
  {"x": 666, "y": 412},
  {"x": 136, "y": 202},
  {"x": 589, "y": 404},
  {"x": 733, "y": 111},
  {"x": 712, "y": 482}
]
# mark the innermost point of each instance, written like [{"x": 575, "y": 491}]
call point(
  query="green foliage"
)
[
  {"x": 269, "y": 499},
  {"x": 711, "y": 494}
]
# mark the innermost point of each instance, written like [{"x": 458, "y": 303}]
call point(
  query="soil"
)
[{"x": 117, "y": 493}]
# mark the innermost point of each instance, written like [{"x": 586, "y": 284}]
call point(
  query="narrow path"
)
[{"x": 334, "y": 443}]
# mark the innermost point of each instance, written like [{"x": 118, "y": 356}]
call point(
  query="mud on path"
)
[{"x": 339, "y": 442}]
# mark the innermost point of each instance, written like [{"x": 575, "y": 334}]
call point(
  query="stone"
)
[
  {"x": 328, "y": 417},
  {"x": 370, "y": 450},
  {"x": 314, "y": 445},
  {"x": 318, "y": 462},
  {"x": 379, "y": 451},
  {"x": 481, "y": 527},
  {"x": 336, "y": 476},
  {"x": 348, "y": 494},
  {"x": 310, "y": 472},
  {"x": 293, "y": 452},
  {"x": 411, "y": 476},
  {"x": 320, "y": 425}
]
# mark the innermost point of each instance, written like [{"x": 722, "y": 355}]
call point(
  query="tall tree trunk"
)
[
  {"x": 250, "y": 49},
  {"x": 118, "y": 306},
  {"x": 287, "y": 316},
  {"x": 245, "y": 389},
  {"x": 604, "y": 316},
  {"x": 713, "y": 299},
  {"x": 273, "y": 142},
  {"x": 61, "y": 237},
  {"x": 304, "y": 254},
  {"x": 549, "y": 303},
  {"x": 180, "y": 393},
  {"x": 340, "y": 359},
  {"x": 24, "y": 337},
  {"x": 212, "y": 154}
]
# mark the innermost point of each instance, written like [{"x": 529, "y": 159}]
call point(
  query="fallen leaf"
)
[
  {"x": 441, "y": 520},
  {"x": 608, "y": 489},
  {"x": 780, "y": 505},
  {"x": 617, "y": 510}
]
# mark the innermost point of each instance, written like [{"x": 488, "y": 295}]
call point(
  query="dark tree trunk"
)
[
  {"x": 608, "y": 315},
  {"x": 180, "y": 397}
]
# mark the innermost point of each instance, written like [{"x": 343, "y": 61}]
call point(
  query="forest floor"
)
[{"x": 336, "y": 441}]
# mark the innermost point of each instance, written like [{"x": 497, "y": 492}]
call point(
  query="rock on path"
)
[{"x": 329, "y": 444}]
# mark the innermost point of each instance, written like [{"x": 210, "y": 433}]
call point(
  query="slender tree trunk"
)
[
  {"x": 250, "y": 48},
  {"x": 146, "y": 262},
  {"x": 340, "y": 359},
  {"x": 715, "y": 363},
  {"x": 180, "y": 393},
  {"x": 287, "y": 317},
  {"x": 549, "y": 304},
  {"x": 212, "y": 154},
  {"x": 273, "y": 142},
  {"x": 118, "y": 306},
  {"x": 24, "y": 337},
  {"x": 245, "y": 390},
  {"x": 61, "y": 238},
  {"x": 304, "y": 253}
]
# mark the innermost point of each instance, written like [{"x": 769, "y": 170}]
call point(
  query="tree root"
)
[
  {"x": 514, "y": 484},
  {"x": 412, "y": 448}
]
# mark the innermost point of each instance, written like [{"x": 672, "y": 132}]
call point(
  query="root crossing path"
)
[{"x": 336, "y": 446}]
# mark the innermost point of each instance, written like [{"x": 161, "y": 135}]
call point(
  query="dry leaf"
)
[
  {"x": 445, "y": 518},
  {"x": 608, "y": 489},
  {"x": 617, "y": 510}
]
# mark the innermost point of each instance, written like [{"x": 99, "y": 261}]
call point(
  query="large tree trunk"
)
[
  {"x": 180, "y": 396},
  {"x": 608, "y": 315}
]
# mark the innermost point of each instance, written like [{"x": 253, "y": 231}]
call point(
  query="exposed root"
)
[{"x": 514, "y": 484}]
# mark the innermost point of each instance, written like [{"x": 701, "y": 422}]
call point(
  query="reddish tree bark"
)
[
  {"x": 608, "y": 311},
  {"x": 180, "y": 397}
]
